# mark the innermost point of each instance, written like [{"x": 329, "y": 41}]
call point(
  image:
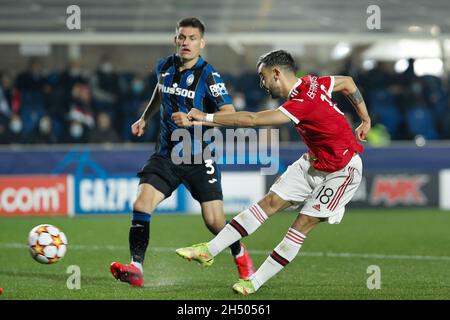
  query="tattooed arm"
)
[{"x": 347, "y": 86}]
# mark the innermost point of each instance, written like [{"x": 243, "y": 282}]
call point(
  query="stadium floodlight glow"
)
[
  {"x": 369, "y": 64},
  {"x": 401, "y": 65},
  {"x": 434, "y": 67},
  {"x": 414, "y": 29},
  {"x": 422, "y": 67},
  {"x": 435, "y": 30},
  {"x": 341, "y": 50},
  {"x": 392, "y": 50}
]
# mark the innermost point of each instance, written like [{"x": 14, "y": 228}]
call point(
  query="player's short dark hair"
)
[
  {"x": 192, "y": 22},
  {"x": 280, "y": 58}
]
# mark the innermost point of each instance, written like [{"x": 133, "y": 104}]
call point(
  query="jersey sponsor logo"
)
[
  {"x": 399, "y": 189},
  {"x": 177, "y": 91},
  {"x": 218, "y": 89},
  {"x": 190, "y": 79}
]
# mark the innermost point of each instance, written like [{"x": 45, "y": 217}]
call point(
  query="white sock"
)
[
  {"x": 240, "y": 226},
  {"x": 284, "y": 253},
  {"x": 138, "y": 265}
]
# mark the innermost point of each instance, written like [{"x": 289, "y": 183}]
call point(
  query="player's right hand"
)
[
  {"x": 138, "y": 127},
  {"x": 196, "y": 115},
  {"x": 362, "y": 131}
]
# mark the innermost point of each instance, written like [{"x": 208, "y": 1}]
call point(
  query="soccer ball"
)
[{"x": 47, "y": 243}]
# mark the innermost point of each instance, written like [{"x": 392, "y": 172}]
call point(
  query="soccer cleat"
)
[
  {"x": 244, "y": 287},
  {"x": 127, "y": 273},
  {"x": 244, "y": 264},
  {"x": 198, "y": 252}
]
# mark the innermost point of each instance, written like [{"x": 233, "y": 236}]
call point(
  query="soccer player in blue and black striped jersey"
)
[{"x": 185, "y": 81}]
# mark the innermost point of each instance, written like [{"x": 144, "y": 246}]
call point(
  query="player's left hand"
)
[
  {"x": 181, "y": 119},
  {"x": 362, "y": 131},
  {"x": 195, "y": 114}
]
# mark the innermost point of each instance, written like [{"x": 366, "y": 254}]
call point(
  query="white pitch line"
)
[{"x": 252, "y": 252}]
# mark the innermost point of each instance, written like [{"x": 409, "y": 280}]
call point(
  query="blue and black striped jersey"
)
[{"x": 199, "y": 87}]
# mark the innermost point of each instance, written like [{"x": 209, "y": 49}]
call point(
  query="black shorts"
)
[{"x": 202, "y": 180}]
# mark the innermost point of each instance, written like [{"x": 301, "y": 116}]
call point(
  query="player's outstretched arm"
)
[
  {"x": 182, "y": 119},
  {"x": 347, "y": 86},
  {"x": 139, "y": 126},
  {"x": 242, "y": 118}
]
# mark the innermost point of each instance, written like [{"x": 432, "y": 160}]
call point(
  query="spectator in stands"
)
[
  {"x": 105, "y": 88},
  {"x": 33, "y": 91},
  {"x": 80, "y": 108},
  {"x": 3, "y": 132},
  {"x": 14, "y": 133},
  {"x": 5, "y": 112},
  {"x": 5, "y": 106},
  {"x": 76, "y": 132},
  {"x": 6, "y": 88},
  {"x": 32, "y": 78},
  {"x": 71, "y": 76},
  {"x": 104, "y": 132},
  {"x": 44, "y": 132},
  {"x": 135, "y": 103},
  {"x": 378, "y": 136}
]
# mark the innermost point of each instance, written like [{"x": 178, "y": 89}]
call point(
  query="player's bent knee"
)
[
  {"x": 142, "y": 206},
  {"x": 271, "y": 203},
  {"x": 308, "y": 222}
]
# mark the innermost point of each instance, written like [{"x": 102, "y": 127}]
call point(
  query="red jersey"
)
[{"x": 322, "y": 126}]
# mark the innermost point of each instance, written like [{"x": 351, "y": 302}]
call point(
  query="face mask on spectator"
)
[
  {"x": 76, "y": 130},
  {"x": 15, "y": 125},
  {"x": 106, "y": 67},
  {"x": 138, "y": 86},
  {"x": 75, "y": 72},
  {"x": 45, "y": 125}
]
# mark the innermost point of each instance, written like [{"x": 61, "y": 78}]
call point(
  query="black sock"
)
[
  {"x": 139, "y": 236},
  {"x": 235, "y": 248}
]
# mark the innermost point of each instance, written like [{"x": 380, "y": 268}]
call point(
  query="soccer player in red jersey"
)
[{"x": 324, "y": 179}]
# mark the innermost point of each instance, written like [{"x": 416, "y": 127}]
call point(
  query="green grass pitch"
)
[{"x": 411, "y": 248}]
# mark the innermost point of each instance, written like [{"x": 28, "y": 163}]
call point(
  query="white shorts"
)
[{"x": 323, "y": 194}]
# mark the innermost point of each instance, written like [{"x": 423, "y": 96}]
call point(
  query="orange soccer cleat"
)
[
  {"x": 244, "y": 264},
  {"x": 127, "y": 273}
]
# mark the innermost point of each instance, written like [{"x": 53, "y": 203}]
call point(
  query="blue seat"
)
[
  {"x": 388, "y": 115},
  {"x": 421, "y": 121}
]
